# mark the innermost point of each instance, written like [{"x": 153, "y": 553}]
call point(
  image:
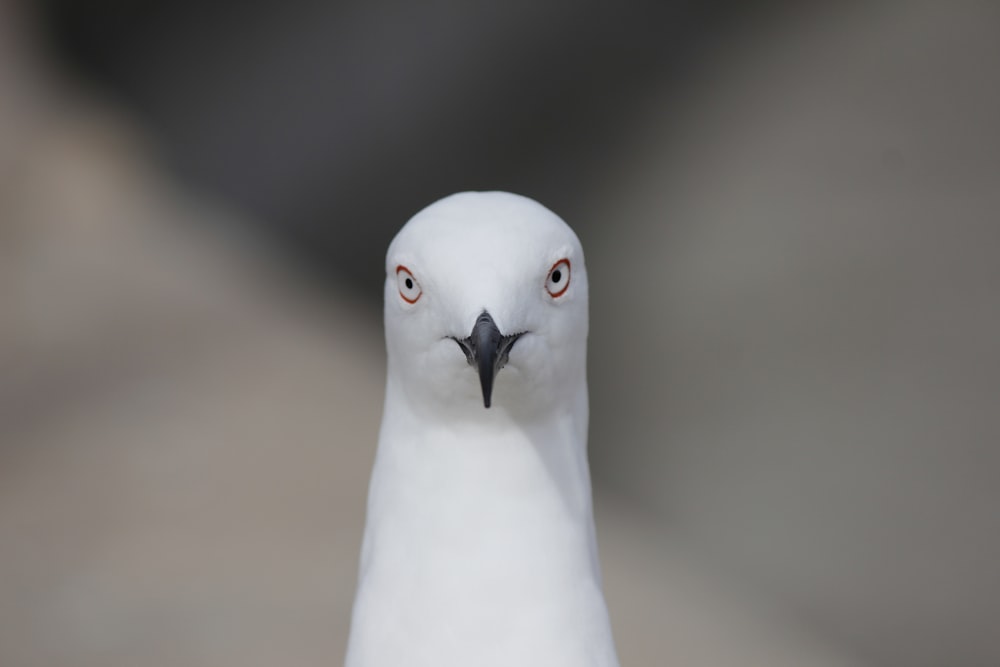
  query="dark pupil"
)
[
  {"x": 409, "y": 283},
  {"x": 556, "y": 276}
]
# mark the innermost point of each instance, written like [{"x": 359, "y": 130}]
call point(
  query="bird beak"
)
[{"x": 487, "y": 349}]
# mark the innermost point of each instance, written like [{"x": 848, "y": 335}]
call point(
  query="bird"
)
[{"x": 479, "y": 547}]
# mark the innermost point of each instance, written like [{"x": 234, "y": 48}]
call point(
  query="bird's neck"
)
[
  {"x": 479, "y": 545},
  {"x": 487, "y": 485}
]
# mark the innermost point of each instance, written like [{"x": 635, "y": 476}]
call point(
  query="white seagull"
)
[{"x": 479, "y": 548}]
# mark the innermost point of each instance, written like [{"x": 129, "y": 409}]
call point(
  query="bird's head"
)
[{"x": 483, "y": 281}]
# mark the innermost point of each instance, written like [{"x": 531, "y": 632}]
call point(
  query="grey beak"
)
[{"x": 487, "y": 349}]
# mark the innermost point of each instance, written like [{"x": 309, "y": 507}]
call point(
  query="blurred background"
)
[{"x": 791, "y": 213}]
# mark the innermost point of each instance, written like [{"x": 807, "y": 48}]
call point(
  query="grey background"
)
[{"x": 791, "y": 223}]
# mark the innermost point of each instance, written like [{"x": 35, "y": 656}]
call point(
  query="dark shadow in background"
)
[{"x": 332, "y": 123}]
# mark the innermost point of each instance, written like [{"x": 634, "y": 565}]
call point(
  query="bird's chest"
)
[
  {"x": 483, "y": 602},
  {"x": 475, "y": 555}
]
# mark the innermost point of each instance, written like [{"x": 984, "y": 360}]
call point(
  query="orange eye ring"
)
[
  {"x": 557, "y": 281},
  {"x": 409, "y": 288}
]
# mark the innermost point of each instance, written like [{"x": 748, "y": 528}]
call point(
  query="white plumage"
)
[{"x": 479, "y": 547}]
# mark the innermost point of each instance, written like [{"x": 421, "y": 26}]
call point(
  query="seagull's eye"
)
[
  {"x": 558, "y": 280},
  {"x": 409, "y": 288}
]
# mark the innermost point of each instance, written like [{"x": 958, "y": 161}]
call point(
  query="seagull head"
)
[{"x": 486, "y": 305}]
